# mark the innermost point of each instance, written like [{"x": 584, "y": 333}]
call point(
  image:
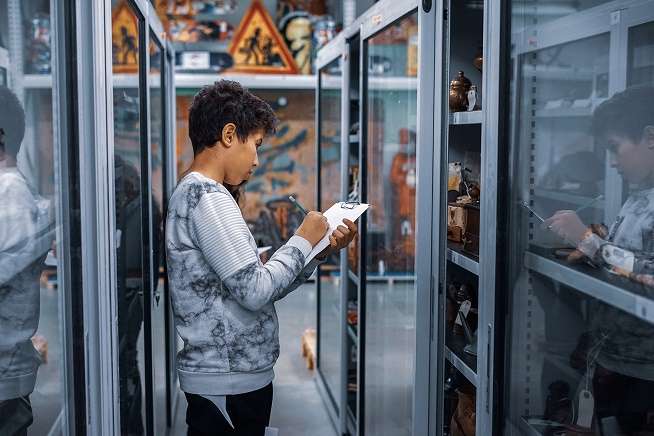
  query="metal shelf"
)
[
  {"x": 353, "y": 335},
  {"x": 460, "y": 365},
  {"x": 455, "y": 256},
  {"x": 576, "y": 199},
  {"x": 254, "y": 81},
  {"x": 459, "y": 118},
  {"x": 564, "y": 112},
  {"x": 37, "y": 81},
  {"x": 530, "y": 429},
  {"x": 382, "y": 83},
  {"x": 390, "y": 279},
  {"x": 548, "y": 72},
  {"x": 616, "y": 291}
]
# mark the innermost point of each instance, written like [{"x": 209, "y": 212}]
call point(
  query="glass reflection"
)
[
  {"x": 390, "y": 234},
  {"x": 330, "y": 185},
  {"x": 582, "y": 265},
  {"x": 129, "y": 209},
  {"x": 27, "y": 234},
  {"x": 32, "y": 393}
]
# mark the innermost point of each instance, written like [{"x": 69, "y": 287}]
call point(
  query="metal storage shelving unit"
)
[
  {"x": 463, "y": 30},
  {"x": 541, "y": 343}
]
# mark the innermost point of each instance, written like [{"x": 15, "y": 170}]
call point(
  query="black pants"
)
[
  {"x": 15, "y": 416},
  {"x": 250, "y": 414},
  {"x": 629, "y": 399}
]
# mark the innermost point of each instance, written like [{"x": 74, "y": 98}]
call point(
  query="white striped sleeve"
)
[
  {"x": 224, "y": 238},
  {"x": 221, "y": 234}
]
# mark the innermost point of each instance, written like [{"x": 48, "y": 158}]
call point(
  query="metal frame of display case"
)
[
  {"x": 330, "y": 53},
  {"x": 376, "y": 19},
  {"x": 479, "y": 371},
  {"x": 94, "y": 112},
  {"x": 614, "y": 19}
]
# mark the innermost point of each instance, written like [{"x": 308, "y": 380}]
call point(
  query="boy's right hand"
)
[{"x": 313, "y": 228}]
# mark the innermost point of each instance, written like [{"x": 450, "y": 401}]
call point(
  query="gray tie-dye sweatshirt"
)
[
  {"x": 628, "y": 347},
  {"x": 222, "y": 295}
]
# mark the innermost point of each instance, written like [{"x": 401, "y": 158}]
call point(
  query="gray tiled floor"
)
[{"x": 298, "y": 409}]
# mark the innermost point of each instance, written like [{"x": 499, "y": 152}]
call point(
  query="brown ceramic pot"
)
[{"x": 459, "y": 88}]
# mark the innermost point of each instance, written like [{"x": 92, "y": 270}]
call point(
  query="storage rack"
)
[
  {"x": 354, "y": 417},
  {"x": 612, "y": 20},
  {"x": 468, "y": 29}
]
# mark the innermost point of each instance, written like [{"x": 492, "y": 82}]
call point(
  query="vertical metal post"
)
[{"x": 16, "y": 49}]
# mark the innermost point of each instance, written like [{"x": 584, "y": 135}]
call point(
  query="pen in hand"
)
[{"x": 298, "y": 205}]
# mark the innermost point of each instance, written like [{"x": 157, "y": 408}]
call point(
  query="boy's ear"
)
[
  {"x": 648, "y": 136},
  {"x": 229, "y": 134}
]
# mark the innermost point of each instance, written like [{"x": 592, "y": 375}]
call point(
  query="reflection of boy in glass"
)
[
  {"x": 624, "y": 376},
  {"x": 25, "y": 238}
]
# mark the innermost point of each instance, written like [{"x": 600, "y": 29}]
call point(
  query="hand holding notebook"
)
[{"x": 335, "y": 216}]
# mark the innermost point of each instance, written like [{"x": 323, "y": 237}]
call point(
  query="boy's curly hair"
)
[
  {"x": 627, "y": 113},
  {"x": 226, "y": 102}
]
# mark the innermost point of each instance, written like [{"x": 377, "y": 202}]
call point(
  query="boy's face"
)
[
  {"x": 633, "y": 160},
  {"x": 242, "y": 158}
]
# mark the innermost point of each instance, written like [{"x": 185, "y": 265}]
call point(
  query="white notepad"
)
[{"x": 335, "y": 216}]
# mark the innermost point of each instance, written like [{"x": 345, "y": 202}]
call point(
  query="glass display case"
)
[
  {"x": 142, "y": 66},
  {"x": 580, "y": 281},
  {"x": 461, "y": 211},
  {"x": 387, "y": 270},
  {"x": 466, "y": 227},
  {"x": 329, "y": 192},
  {"x": 379, "y": 142}
]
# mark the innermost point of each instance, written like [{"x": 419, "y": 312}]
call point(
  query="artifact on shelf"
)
[
  {"x": 257, "y": 46},
  {"x": 352, "y": 313},
  {"x": 464, "y": 418},
  {"x": 412, "y": 51},
  {"x": 458, "y": 98},
  {"x": 478, "y": 61},
  {"x": 558, "y": 405},
  {"x": 451, "y": 308},
  {"x": 324, "y": 30},
  {"x": 472, "y": 99},
  {"x": 463, "y": 301},
  {"x": 378, "y": 65},
  {"x": 471, "y": 234},
  {"x": 297, "y": 31},
  {"x": 455, "y": 223},
  {"x": 285, "y": 7},
  {"x": 124, "y": 39},
  {"x": 454, "y": 179},
  {"x": 38, "y": 53},
  {"x": 188, "y": 31}
]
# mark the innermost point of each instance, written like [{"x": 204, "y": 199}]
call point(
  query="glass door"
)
[
  {"x": 350, "y": 260},
  {"x": 158, "y": 140},
  {"x": 130, "y": 124},
  {"x": 42, "y": 348},
  {"x": 461, "y": 306},
  {"x": 388, "y": 230},
  {"x": 580, "y": 207},
  {"x": 329, "y": 192}
]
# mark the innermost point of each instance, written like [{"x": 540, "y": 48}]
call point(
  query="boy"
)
[
  {"x": 26, "y": 235},
  {"x": 623, "y": 367},
  {"x": 222, "y": 294}
]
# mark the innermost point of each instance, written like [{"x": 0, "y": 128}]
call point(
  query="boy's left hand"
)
[
  {"x": 567, "y": 225},
  {"x": 339, "y": 239}
]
